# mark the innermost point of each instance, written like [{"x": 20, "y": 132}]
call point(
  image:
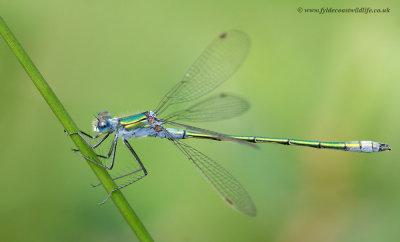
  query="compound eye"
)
[{"x": 102, "y": 124}]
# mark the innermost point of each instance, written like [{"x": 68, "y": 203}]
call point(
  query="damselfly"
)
[{"x": 216, "y": 64}]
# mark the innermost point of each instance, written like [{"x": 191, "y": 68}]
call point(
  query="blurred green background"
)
[{"x": 332, "y": 77}]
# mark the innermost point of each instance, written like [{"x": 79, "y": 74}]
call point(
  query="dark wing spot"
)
[
  {"x": 229, "y": 201},
  {"x": 223, "y": 95},
  {"x": 223, "y": 35}
]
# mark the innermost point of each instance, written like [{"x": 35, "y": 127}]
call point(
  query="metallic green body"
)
[
  {"x": 134, "y": 122},
  {"x": 357, "y": 146}
]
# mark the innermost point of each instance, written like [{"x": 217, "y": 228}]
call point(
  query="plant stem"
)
[{"x": 69, "y": 125}]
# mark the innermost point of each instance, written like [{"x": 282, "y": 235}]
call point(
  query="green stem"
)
[{"x": 69, "y": 125}]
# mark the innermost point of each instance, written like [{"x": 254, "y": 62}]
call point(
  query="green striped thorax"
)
[{"x": 105, "y": 124}]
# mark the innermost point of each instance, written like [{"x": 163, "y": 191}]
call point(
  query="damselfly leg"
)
[
  {"x": 82, "y": 134},
  {"x": 111, "y": 152},
  {"x": 142, "y": 168}
]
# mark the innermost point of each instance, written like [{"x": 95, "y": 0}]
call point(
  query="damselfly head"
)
[{"x": 102, "y": 123}]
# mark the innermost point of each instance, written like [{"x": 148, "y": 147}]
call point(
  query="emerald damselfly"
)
[{"x": 216, "y": 64}]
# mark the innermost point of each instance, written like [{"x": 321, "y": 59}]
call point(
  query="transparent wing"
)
[
  {"x": 226, "y": 185},
  {"x": 215, "y": 65},
  {"x": 220, "y": 107},
  {"x": 214, "y": 134}
]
